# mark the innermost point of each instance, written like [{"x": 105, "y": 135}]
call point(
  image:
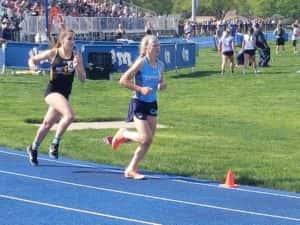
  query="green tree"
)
[
  {"x": 159, "y": 6},
  {"x": 180, "y": 6},
  {"x": 243, "y": 9},
  {"x": 290, "y": 9},
  {"x": 218, "y": 8}
]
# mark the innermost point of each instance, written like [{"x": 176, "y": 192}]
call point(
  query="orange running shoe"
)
[{"x": 118, "y": 139}]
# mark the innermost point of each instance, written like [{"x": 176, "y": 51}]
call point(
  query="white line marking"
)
[
  {"x": 157, "y": 177},
  {"x": 154, "y": 197},
  {"x": 239, "y": 189},
  {"x": 76, "y": 210},
  {"x": 51, "y": 160}
]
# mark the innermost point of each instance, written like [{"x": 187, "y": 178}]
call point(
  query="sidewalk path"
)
[{"x": 100, "y": 125}]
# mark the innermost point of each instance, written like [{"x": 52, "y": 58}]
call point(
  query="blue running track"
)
[{"x": 70, "y": 192}]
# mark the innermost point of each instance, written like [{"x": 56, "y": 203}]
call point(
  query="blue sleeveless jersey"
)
[{"x": 148, "y": 76}]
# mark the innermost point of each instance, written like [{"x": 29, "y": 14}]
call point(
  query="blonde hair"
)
[
  {"x": 146, "y": 41},
  {"x": 57, "y": 43}
]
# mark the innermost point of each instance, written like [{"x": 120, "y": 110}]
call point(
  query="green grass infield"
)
[{"x": 247, "y": 123}]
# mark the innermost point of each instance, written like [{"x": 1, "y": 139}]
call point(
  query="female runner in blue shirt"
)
[{"x": 147, "y": 75}]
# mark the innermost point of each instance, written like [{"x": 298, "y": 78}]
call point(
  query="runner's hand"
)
[{"x": 145, "y": 90}]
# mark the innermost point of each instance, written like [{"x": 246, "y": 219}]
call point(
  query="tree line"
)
[{"x": 260, "y": 8}]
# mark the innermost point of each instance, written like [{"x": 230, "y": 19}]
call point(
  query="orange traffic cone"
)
[{"x": 229, "y": 181}]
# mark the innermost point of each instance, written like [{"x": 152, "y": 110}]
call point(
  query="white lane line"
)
[
  {"x": 239, "y": 189},
  {"x": 179, "y": 180},
  {"x": 50, "y": 160},
  {"x": 153, "y": 197},
  {"x": 158, "y": 177},
  {"x": 77, "y": 210}
]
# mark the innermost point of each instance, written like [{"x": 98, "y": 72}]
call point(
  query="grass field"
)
[{"x": 247, "y": 123}]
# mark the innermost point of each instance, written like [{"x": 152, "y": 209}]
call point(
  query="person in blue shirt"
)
[{"x": 144, "y": 78}]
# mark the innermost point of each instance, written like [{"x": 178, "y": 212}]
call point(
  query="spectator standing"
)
[
  {"x": 249, "y": 49},
  {"x": 226, "y": 48},
  {"x": 149, "y": 28},
  {"x": 180, "y": 28},
  {"x": 6, "y": 33},
  {"x": 74, "y": 12},
  {"x": 53, "y": 13},
  {"x": 295, "y": 36},
  {"x": 120, "y": 32},
  {"x": 36, "y": 9},
  {"x": 279, "y": 33},
  {"x": 261, "y": 41},
  {"x": 188, "y": 29},
  {"x": 218, "y": 34},
  {"x": 262, "y": 46}
]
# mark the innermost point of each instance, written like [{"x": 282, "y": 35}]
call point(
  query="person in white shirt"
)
[
  {"x": 249, "y": 49},
  {"x": 226, "y": 47},
  {"x": 188, "y": 29},
  {"x": 295, "y": 36}
]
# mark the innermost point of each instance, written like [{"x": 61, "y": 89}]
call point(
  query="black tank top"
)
[{"x": 61, "y": 75}]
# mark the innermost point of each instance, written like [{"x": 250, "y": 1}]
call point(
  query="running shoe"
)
[
  {"x": 53, "y": 151},
  {"x": 118, "y": 139},
  {"x": 33, "y": 154}
]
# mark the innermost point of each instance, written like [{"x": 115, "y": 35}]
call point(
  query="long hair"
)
[
  {"x": 57, "y": 42},
  {"x": 146, "y": 41},
  {"x": 251, "y": 31}
]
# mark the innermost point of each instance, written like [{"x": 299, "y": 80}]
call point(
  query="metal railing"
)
[{"x": 95, "y": 27}]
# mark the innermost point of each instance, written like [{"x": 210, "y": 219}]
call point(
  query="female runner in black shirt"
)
[{"x": 64, "y": 64}]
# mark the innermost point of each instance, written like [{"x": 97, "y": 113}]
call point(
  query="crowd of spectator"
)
[
  {"x": 12, "y": 12},
  {"x": 87, "y": 8},
  {"x": 95, "y": 8},
  {"x": 212, "y": 27}
]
